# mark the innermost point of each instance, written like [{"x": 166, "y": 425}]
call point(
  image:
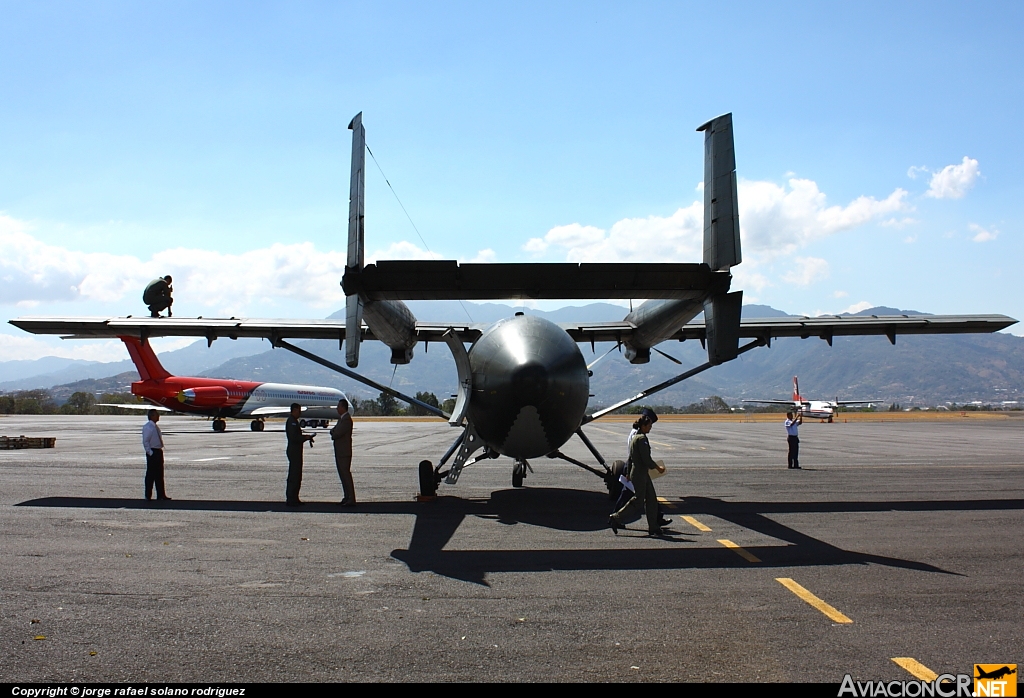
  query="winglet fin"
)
[
  {"x": 721, "y": 210},
  {"x": 356, "y": 212}
]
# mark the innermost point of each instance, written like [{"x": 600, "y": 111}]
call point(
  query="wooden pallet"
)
[{"x": 11, "y": 442}]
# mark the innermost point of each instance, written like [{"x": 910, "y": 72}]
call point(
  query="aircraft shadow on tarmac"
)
[{"x": 577, "y": 510}]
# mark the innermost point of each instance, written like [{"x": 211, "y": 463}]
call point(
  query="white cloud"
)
[
  {"x": 899, "y": 223},
  {"x": 34, "y": 272},
  {"x": 857, "y": 307},
  {"x": 809, "y": 270},
  {"x": 840, "y": 294},
  {"x": 910, "y": 238},
  {"x": 775, "y": 220},
  {"x": 28, "y": 348},
  {"x": 914, "y": 171},
  {"x": 981, "y": 234},
  {"x": 953, "y": 181},
  {"x": 400, "y": 250},
  {"x": 25, "y": 347},
  {"x": 487, "y": 256}
]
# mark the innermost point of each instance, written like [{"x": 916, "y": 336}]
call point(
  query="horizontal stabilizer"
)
[{"x": 449, "y": 280}]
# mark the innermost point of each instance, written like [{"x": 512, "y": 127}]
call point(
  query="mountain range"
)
[{"x": 921, "y": 370}]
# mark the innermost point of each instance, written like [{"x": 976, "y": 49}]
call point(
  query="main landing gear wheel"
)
[
  {"x": 256, "y": 425},
  {"x": 219, "y": 425},
  {"x": 428, "y": 480},
  {"x": 518, "y": 473}
]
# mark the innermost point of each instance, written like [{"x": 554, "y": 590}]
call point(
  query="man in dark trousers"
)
[
  {"x": 792, "y": 422},
  {"x": 153, "y": 442},
  {"x": 294, "y": 452},
  {"x": 342, "y": 435},
  {"x": 158, "y": 296}
]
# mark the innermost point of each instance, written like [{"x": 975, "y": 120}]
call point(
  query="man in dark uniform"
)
[
  {"x": 158, "y": 296},
  {"x": 294, "y": 452},
  {"x": 342, "y": 436}
]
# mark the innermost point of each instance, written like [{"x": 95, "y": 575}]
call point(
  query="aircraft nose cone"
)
[
  {"x": 530, "y": 383},
  {"x": 530, "y": 387}
]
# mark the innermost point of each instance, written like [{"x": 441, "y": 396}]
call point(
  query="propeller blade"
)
[
  {"x": 594, "y": 362},
  {"x": 670, "y": 358}
]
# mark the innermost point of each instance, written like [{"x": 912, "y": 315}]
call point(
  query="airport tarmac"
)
[{"x": 911, "y": 533}]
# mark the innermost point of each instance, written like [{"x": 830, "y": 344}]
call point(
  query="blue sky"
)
[{"x": 878, "y": 144}]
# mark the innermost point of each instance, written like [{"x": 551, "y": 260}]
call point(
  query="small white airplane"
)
[{"x": 824, "y": 410}]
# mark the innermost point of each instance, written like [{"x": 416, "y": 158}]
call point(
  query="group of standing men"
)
[{"x": 341, "y": 434}]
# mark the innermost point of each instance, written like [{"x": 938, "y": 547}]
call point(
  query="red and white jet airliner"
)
[{"x": 220, "y": 398}]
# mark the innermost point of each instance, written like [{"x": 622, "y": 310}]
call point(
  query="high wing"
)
[
  {"x": 788, "y": 403},
  {"x": 825, "y": 327},
  {"x": 840, "y": 403}
]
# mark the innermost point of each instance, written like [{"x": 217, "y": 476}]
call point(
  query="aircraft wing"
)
[
  {"x": 215, "y": 328},
  {"x": 826, "y": 327},
  {"x": 146, "y": 408},
  {"x": 788, "y": 403}
]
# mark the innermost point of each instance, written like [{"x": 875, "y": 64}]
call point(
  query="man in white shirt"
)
[
  {"x": 153, "y": 442},
  {"x": 793, "y": 420}
]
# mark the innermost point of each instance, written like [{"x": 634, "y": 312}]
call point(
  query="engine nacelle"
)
[
  {"x": 208, "y": 396},
  {"x": 530, "y": 387}
]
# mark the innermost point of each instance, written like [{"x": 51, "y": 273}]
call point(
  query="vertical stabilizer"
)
[
  {"x": 796, "y": 390},
  {"x": 354, "y": 304},
  {"x": 721, "y": 210},
  {"x": 144, "y": 358}
]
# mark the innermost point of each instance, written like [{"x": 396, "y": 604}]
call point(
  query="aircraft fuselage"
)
[{"x": 241, "y": 399}]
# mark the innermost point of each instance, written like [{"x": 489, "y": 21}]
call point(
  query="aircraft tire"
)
[
  {"x": 518, "y": 474},
  {"x": 302, "y": 423},
  {"x": 255, "y": 425},
  {"x": 428, "y": 482},
  {"x": 219, "y": 425}
]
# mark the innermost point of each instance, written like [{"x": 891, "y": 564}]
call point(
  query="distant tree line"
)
[
  {"x": 386, "y": 405},
  {"x": 42, "y": 402}
]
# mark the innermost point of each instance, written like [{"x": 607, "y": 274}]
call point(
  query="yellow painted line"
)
[
  {"x": 916, "y": 668},
  {"x": 663, "y": 445},
  {"x": 742, "y": 552},
  {"x": 668, "y": 504},
  {"x": 813, "y": 600},
  {"x": 696, "y": 524}
]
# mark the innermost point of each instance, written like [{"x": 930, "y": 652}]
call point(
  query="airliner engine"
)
[
  {"x": 205, "y": 396},
  {"x": 530, "y": 387}
]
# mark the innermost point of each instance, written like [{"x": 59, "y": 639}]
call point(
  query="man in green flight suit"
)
[
  {"x": 640, "y": 465},
  {"x": 158, "y": 296}
]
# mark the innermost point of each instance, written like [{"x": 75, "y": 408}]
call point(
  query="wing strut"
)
[
  {"x": 667, "y": 384},
  {"x": 362, "y": 379}
]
